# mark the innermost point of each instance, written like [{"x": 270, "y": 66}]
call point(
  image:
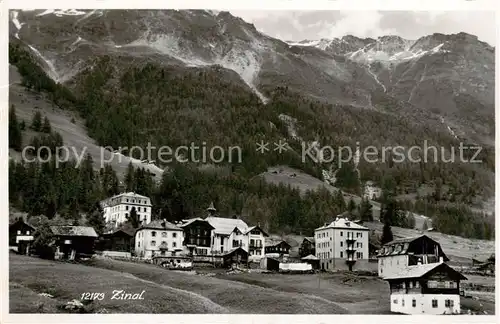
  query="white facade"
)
[
  {"x": 157, "y": 239},
  {"x": 340, "y": 241},
  {"x": 118, "y": 208},
  {"x": 231, "y": 233},
  {"x": 390, "y": 266},
  {"x": 256, "y": 243},
  {"x": 428, "y": 304}
]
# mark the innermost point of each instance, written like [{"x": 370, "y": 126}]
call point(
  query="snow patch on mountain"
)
[
  {"x": 375, "y": 77},
  {"x": 52, "y": 73},
  {"x": 14, "y": 14},
  {"x": 245, "y": 62},
  {"x": 321, "y": 43},
  {"x": 62, "y": 12}
]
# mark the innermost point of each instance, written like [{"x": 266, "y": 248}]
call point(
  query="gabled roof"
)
[
  {"x": 118, "y": 231},
  {"x": 160, "y": 225},
  {"x": 73, "y": 231},
  {"x": 256, "y": 227},
  {"x": 344, "y": 224},
  {"x": 422, "y": 270},
  {"x": 406, "y": 240},
  {"x": 225, "y": 226},
  {"x": 401, "y": 246},
  {"x": 21, "y": 221},
  {"x": 310, "y": 239},
  {"x": 193, "y": 220},
  {"x": 270, "y": 242}
]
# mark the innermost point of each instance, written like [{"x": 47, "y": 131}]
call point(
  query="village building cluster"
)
[{"x": 420, "y": 280}]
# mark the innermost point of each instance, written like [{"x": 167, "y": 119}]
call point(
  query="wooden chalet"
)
[
  {"x": 119, "y": 241},
  {"x": 21, "y": 236},
  {"x": 432, "y": 288},
  {"x": 307, "y": 247},
  {"x": 73, "y": 242},
  {"x": 277, "y": 247}
]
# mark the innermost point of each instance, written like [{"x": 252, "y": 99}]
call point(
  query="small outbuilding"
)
[{"x": 312, "y": 260}]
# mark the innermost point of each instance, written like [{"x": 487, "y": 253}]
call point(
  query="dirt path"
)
[{"x": 207, "y": 303}]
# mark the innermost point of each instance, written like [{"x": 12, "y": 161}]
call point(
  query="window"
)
[
  {"x": 341, "y": 233},
  {"x": 162, "y": 252},
  {"x": 153, "y": 233},
  {"x": 395, "y": 301},
  {"x": 174, "y": 235},
  {"x": 18, "y": 232},
  {"x": 341, "y": 244},
  {"x": 448, "y": 303},
  {"x": 27, "y": 232},
  {"x": 126, "y": 207},
  {"x": 163, "y": 242},
  {"x": 341, "y": 254},
  {"x": 411, "y": 284},
  {"x": 163, "y": 234},
  {"x": 138, "y": 244},
  {"x": 403, "y": 302},
  {"x": 127, "y": 200},
  {"x": 414, "y": 302},
  {"x": 258, "y": 252},
  {"x": 417, "y": 284},
  {"x": 434, "y": 303},
  {"x": 153, "y": 243}
]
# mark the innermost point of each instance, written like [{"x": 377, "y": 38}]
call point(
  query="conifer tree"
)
[
  {"x": 36, "y": 123},
  {"x": 15, "y": 135},
  {"x": 46, "y": 128},
  {"x": 386, "y": 234}
]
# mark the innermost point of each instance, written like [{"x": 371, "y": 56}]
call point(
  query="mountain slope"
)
[{"x": 177, "y": 77}]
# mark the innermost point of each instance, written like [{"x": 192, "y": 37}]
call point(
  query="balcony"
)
[
  {"x": 350, "y": 238},
  {"x": 350, "y": 248}
]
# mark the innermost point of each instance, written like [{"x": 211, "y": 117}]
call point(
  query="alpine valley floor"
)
[{"x": 205, "y": 291}]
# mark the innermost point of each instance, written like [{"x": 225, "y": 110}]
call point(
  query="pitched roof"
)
[
  {"x": 131, "y": 194},
  {"x": 310, "y": 239},
  {"x": 343, "y": 223},
  {"x": 418, "y": 271},
  {"x": 120, "y": 230},
  {"x": 24, "y": 222},
  {"x": 187, "y": 222},
  {"x": 406, "y": 239},
  {"x": 274, "y": 241},
  {"x": 160, "y": 225},
  {"x": 225, "y": 226},
  {"x": 310, "y": 257},
  {"x": 256, "y": 227},
  {"x": 73, "y": 231}
]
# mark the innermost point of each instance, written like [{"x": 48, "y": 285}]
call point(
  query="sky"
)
[{"x": 312, "y": 25}]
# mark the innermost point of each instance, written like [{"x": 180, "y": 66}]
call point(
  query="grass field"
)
[{"x": 189, "y": 292}]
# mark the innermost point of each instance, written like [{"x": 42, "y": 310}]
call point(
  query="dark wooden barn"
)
[{"x": 74, "y": 242}]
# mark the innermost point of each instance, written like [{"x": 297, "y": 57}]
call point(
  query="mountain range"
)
[{"x": 385, "y": 90}]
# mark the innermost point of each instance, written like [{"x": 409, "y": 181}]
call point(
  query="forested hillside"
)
[{"x": 129, "y": 104}]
